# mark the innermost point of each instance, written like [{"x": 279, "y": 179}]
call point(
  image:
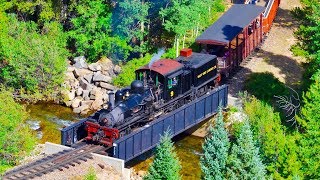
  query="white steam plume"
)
[{"x": 157, "y": 56}]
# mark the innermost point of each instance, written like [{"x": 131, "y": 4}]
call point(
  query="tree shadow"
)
[
  {"x": 237, "y": 79},
  {"x": 285, "y": 19},
  {"x": 290, "y": 69}
]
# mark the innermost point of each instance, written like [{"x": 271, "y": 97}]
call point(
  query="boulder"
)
[
  {"x": 73, "y": 83},
  {"x": 98, "y": 77},
  {"x": 79, "y": 91},
  {"x": 84, "y": 84},
  {"x": 117, "y": 69},
  {"x": 88, "y": 77},
  {"x": 69, "y": 95},
  {"x": 69, "y": 75},
  {"x": 87, "y": 102},
  {"x": 94, "y": 67},
  {"x": 105, "y": 64},
  {"x": 70, "y": 69},
  {"x": 96, "y": 104},
  {"x": 107, "y": 86},
  {"x": 68, "y": 103},
  {"x": 85, "y": 95},
  {"x": 97, "y": 92},
  {"x": 81, "y": 72},
  {"x": 81, "y": 109},
  {"x": 76, "y": 102},
  {"x": 80, "y": 62}
]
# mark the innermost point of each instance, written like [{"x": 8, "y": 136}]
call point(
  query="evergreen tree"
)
[
  {"x": 129, "y": 20},
  {"x": 244, "y": 161},
  {"x": 309, "y": 120},
  {"x": 165, "y": 164},
  {"x": 215, "y": 147}
]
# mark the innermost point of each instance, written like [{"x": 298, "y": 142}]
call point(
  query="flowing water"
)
[{"x": 48, "y": 119}]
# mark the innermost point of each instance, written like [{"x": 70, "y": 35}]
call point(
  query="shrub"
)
[
  {"x": 32, "y": 62},
  {"x": 128, "y": 71},
  {"x": 278, "y": 149},
  {"x": 264, "y": 86},
  {"x": 16, "y": 139}
]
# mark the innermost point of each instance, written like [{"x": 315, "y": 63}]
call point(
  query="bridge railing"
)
[
  {"x": 146, "y": 138},
  {"x": 73, "y": 133}
]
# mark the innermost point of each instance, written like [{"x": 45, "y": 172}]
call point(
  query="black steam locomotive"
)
[{"x": 159, "y": 88}]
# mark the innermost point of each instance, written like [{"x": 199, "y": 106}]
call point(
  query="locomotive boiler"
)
[{"x": 159, "y": 88}]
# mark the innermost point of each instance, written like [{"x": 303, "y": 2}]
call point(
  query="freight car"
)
[{"x": 159, "y": 88}]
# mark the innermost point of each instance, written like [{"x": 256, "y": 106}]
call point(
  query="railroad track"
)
[{"x": 62, "y": 160}]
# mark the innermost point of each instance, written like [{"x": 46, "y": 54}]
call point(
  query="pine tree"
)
[
  {"x": 165, "y": 164},
  {"x": 244, "y": 161},
  {"x": 309, "y": 121},
  {"x": 215, "y": 147}
]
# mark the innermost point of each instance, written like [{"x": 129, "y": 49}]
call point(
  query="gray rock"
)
[
  {"x": 79, "y": 91},
  {"x": 87, "y": 102},
  {"x": 117, "y": 69},
  {"x": 81, "y": 72},
  {"x": 85, "y": 95},
  {"x": 94, "y": 67},
  {"x": 84, "y": 84},
  {"x": 107, "y": 86},
  {"x": 76, "y": 102},
  {"x": 97, "y": 104},
  {"x": 88, "y": 77},
  {"x": 98, "y": 77},
  {"x": 70, "y": 95},
  {"x": 73, "y": 83},
  {"x": 69, "y": 75},
  {"x": 80, "y": 62},
  {"x": 97, "y": 92},
  {"x": 68, "y": 103},
  {"x": 105, "y": 64},
  {"x": 70, "y": 69},
  {"x": 82, "y": 109}
]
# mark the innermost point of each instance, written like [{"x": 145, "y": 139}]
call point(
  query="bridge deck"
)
[{"x": 147, "y": 137}]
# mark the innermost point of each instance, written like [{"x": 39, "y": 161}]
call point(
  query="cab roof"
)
[{"x": 164, "y": 67}]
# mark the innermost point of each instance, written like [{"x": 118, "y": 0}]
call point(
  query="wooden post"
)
[
  {"x": 237, "y": 50},
  {"x": 261, "y": 27},
  {"x": 230, "y": 54}
]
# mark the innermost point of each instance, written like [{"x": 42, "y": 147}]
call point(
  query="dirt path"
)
[{"x": 275, "y": 55}]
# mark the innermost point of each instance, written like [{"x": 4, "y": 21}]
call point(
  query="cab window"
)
[{"x": 172, "y": 82}]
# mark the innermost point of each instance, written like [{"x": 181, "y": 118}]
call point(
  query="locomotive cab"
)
[{"x": 164, "y": 77}]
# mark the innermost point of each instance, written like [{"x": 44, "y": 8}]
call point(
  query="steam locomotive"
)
[{"x": 159, "y": 88}]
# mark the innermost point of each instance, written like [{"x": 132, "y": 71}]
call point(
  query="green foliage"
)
[
  {"x": 39, "y": 11},
  {"x": 215, "y": 147},
  {"x": 90, "y": 33},
  {"x": 129, "y": 20},
  {"x": 127, "y": 74},
  {"x": 165, "y": 164},
  {"x": 244, "y": 161},
  {"x": 16, "y": 139},
  {"x": 32, "y": 61},
  {"x": 264, "y": 86},
  {"x": 91, "y": 175},
  {"x": 278, "y": 149},
  {"x": 309, "y": 121}
]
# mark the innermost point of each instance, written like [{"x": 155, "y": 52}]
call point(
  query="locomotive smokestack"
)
[{"x": 111, "y": 99}]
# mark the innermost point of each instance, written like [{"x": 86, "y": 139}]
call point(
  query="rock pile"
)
[{"x": 86, "y": 86}]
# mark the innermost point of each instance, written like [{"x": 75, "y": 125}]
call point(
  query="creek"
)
[{"x": 47, "y": 119}]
